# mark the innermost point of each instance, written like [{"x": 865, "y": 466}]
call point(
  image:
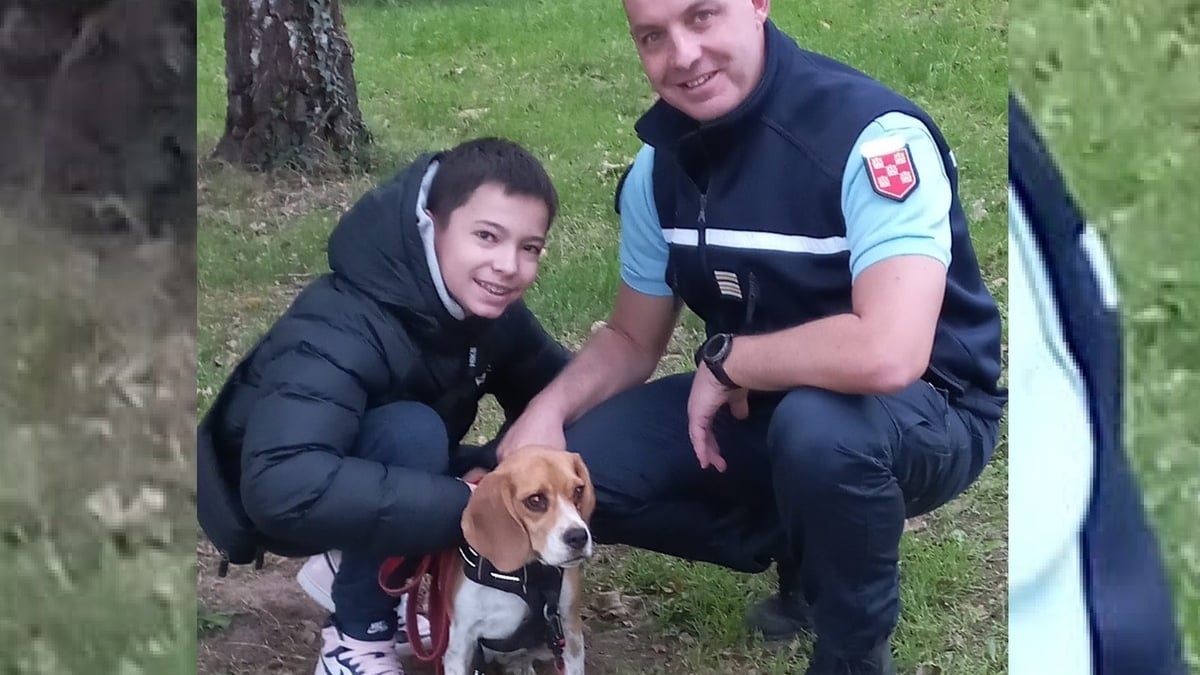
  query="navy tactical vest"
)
[
  {"x": 774, "y": 167},
  {"x": 1128, "y": 598}
]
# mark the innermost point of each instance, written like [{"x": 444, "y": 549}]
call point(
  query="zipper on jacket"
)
[
  {"x": 695, "y": 142},
  {"x": 751, "y": 298},
  {"x": 701, "y": 235}
]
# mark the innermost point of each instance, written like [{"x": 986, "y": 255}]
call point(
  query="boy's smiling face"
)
[{"x": 489, "y": 249}]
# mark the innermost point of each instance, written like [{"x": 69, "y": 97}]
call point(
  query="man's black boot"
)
[
  {"x": 876, "y": 662},
  {"x": 786, "y": 614}
]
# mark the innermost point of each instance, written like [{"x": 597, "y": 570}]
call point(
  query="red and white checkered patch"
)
[{"x": 891, "y": 170}]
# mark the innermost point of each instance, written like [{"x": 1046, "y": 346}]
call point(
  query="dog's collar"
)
[{"x": 536, "y": 575}]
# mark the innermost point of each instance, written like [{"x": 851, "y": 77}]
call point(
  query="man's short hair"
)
[{"x": 488, "y": 160}]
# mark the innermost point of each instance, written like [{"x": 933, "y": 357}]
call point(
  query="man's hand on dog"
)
[
  {"x": 706, "y": 398},
  {"x": 532, "y": 428}
]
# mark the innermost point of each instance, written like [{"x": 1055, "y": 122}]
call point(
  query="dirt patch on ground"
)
[{"x": 261, "y": 622}]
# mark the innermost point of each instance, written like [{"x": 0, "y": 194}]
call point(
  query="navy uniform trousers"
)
[
  {"x": 1128, "y": 597},
  {"x": 813, "y": 476}
]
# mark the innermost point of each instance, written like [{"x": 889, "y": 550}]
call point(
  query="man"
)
[
  {"x": 809, "y": 216},
  {"x": 1087, "y": 592}
]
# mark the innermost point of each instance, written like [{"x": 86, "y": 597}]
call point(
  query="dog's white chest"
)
[{"x": 489, "y": 612}]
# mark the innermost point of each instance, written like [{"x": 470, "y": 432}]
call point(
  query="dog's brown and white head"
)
[{"x": 534, "y": 506}]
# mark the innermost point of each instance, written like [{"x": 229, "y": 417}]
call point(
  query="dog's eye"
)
[
  {"x": 578, "y": 493},
  {"x": 536, "y": 502}
]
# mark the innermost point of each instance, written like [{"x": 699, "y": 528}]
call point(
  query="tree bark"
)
[
  {"x": 293, "y": 101},
  {"x": 97, "y": 115}
]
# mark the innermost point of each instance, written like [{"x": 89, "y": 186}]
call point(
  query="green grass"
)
[
  {"x": 81, "y": 590},
  {"x": 1113, "y": 86},
  {"x": 562, "y": 77}
]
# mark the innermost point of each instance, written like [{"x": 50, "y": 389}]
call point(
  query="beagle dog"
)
[{"x": 526, "y": 532}]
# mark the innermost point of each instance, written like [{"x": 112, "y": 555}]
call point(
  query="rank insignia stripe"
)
[{"x": 728, "y": 284}]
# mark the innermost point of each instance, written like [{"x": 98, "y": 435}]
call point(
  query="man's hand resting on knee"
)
[{"x": 706, "y": 398}]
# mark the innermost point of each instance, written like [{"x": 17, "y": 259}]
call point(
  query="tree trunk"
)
[
  {"x": 292, "y": 97},
  {"x": 97, "y": 115}
]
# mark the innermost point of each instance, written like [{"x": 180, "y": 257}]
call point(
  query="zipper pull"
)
[
  {"x": 751, "y": 297},
  {"x": 703, "y": 199}
]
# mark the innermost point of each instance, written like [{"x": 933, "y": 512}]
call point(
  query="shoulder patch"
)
[{"x": 889, "y": 167}]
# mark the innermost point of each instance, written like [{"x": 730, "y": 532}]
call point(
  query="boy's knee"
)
[
  {"x": 272, "y": 512},
  {"x": 405, "y": 433}
]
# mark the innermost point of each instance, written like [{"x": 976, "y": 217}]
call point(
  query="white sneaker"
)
[
  {"x": 343, "y": 655},
  {"x": 316, "y": 578}
]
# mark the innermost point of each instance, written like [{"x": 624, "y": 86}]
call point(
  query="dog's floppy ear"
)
[
  {"x": 491, "y": 527},
  {"x": 588, "y": 503}
]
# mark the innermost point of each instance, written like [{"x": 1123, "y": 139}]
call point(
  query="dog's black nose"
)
[{"x": 576, "y": 538}]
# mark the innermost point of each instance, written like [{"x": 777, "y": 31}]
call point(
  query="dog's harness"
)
[{"x": 539, "y": 585}]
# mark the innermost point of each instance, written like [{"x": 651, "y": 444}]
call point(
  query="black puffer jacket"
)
[{"x": 372, "y": 332}]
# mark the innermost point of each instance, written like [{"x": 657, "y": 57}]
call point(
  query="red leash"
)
[{"x": 439, "y": 567}]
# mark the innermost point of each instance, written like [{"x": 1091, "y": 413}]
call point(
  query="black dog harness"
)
[{"x": 539, "y": 585}]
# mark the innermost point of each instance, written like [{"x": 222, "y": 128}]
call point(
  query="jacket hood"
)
[{"x": 377, "y": 247}]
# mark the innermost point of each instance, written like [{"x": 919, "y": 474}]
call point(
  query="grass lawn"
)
[
  {"x": 97, "y": 534},
  {"x": 1114, "y": 87},
  {"x": 562, "y": 78}
]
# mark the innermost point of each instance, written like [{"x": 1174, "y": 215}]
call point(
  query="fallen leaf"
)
[
  {"x": 611, "y": 168},
  {"x": 614, "y": 604},
  {"x": 470, "y": 114},
  {"x": 978, "y": 209}
]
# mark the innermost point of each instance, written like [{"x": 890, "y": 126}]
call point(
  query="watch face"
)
[{"x": 716, "y": 346}]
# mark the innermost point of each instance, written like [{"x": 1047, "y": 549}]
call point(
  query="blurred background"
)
[
  {"x": 97, "y": 321},
  {"x": 1113, "y": 85}
]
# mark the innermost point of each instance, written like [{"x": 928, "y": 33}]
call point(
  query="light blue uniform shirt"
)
[
  {"x": 1051, "y": 462},
  {"x": 877, "y": 228}
]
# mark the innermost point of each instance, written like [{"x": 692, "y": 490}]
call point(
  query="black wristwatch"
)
[{"x": 713, "y": 353}]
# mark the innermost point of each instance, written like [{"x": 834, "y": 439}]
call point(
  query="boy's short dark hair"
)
[{"x": 488, "y": 160}]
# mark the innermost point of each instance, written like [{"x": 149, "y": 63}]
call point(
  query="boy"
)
[{"x": 341, "y": 428}]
